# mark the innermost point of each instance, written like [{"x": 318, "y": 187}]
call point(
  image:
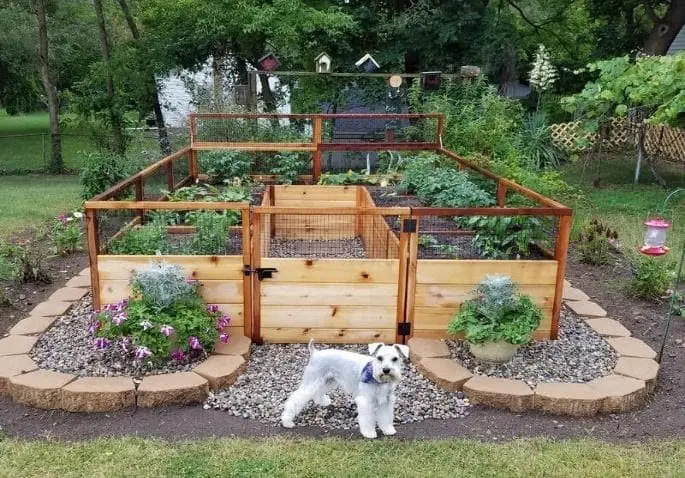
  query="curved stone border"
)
[
  {"x": 634, "y": 375},
  {"x": 21, "y": 379}
]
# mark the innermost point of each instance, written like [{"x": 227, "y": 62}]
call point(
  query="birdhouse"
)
[
  {"x": 323, "y": 63},
  {"x": 269, "y": 62},
  {"x": 367, "y": 64},
  {"x": 430, "y": 80}
]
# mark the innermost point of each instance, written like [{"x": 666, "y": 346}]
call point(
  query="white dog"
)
[{"x": 371, "y": 380}]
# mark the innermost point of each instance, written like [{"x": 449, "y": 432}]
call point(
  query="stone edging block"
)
[
  {"x": 514, "y": 395},
  {"x": 12, "y": 365},
  {"x": 51, "y": 308},
  {"x": 639, "y": 368},
  {"x": 79, "y": 281},
  {"x": 585, "y": 308},
  {"x": 623, "y": 393},
  {"x": 40, "y": 388},
  {"x": 631, "y": 347},
  {"x": 221, "y": 370},
  {"x": 427, "y": 348},
  {"x": 32, "y": 325},
  {"x": 608, "y": 327},
  {"x": 237, "y": 345},
  {"x": 99, "y": 394},
  {"x": 576, "y": 399},
  {"x": 172, "y": 388},
  {"x": 17, "y": 345},
  {"x": 447, "y": 373},
  {"x": 69, "y": 294}
]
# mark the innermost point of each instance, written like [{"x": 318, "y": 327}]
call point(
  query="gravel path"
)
[
  {"x": 579, "y": 355},
  {"x": 68, "y": 347},
  {"x": 275, "y": 370},
  {"x": 334, "y": 249}
]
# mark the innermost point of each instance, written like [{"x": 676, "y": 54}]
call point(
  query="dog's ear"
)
[
  {"x": 373, "y": 348},
  {"x": 403, "y": 349}
]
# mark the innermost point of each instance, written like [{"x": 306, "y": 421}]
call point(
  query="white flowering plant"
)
[{"x": 544, "y": 74}]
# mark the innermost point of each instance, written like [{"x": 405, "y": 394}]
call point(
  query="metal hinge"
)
[
  {"x": 262, "y": 272},
  {"x": 409, "y": 225},
  {"x": 404, "y": 328}
]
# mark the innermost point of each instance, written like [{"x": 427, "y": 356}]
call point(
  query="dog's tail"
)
[{"x": 311, "y": 347}]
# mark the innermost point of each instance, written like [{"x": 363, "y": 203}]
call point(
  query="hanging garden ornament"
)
[
  {"x": 367, "y": 64},
  {"x": 430, "y": 80},
  {"x": 269, "y": 62},
  {"x": 655, "y": 237}
]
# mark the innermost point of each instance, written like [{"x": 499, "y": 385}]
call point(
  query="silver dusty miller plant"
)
[
  {"x": 495, "y": 293},
  {"x": 160, "y": 284}
]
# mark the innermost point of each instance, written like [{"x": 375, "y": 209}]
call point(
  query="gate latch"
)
[{"x": 262, "y": 272}]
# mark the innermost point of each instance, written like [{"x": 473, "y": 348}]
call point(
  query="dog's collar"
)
[{"x": 367, "y": 374}]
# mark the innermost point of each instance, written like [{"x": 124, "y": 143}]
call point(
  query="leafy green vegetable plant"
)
[
  {"x": 288, "y": 166},
  {"x": 221, "y": 165},
  {"x": 653, "y": 277},
  {"x": 149, "y": 239},
  {"x": 497, "y": 312}
]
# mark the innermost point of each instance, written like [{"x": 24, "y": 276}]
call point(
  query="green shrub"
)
[
  {"x": 353, "y": 177},
  {"x": 501, "y": 237},
  {"x": 536, "y": 146},
  {"x": 23, "y": 262},
  {"x": 596, "y": 243},
  {"x": 101, "y": 170},
  {"x": 66, "y": 233},
  {"x": 653, "y": 277},
  {"x": 212, "y": 228},
  {"x": 221, "y": 165},
  {"x": 288, "y": 166},
  {"x": 146, "y": 240},
  {"x": 497, "y": 312},
  {"x": 164, "y": 318}
]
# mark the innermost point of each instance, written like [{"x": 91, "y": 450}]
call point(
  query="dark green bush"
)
[
  {"x": 653, "y": 277},
  {"x": 221, "y": 165},
  {"x": 102, "y": 170},
  {"x": 596, "y": 243}
]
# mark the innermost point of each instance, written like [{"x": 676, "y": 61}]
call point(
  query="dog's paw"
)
[
  {"x": 324, "y": 401},
  {"x": 369, "y": 434},
  {"x": 288, "y": 423},
  {"x": 389, "y": 431}
]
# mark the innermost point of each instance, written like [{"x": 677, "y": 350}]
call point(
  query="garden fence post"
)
[
  {"x": 93, "y": 251},
  {"x": 501, "y": 193},
  {"x": 560, "y": 255},
  {"x": 316, "y": 140},
  {"x": 403, "y": 255},
  {"x": 247, "y": 278}
]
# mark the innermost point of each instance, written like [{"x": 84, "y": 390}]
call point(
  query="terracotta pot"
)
[{"x": 496, "y": 351}]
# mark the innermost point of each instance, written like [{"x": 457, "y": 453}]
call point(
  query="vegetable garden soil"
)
[{"x": 662, "y": 417}]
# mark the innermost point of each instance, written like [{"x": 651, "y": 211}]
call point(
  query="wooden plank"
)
[
  {"x": 561, "y": 254},
  {"x": 341, "y": 211},
  {"x": 213, "y": 291},
  {"x": 258, "y": 230},
  {"x": 350, "y": 271},
  {"x": 331, "y": 336},
  {"x": 252, "y": 146},
  {"x": 324, "y": 193},
  {"x": 290, "y": 293},
  {"x": 247, "y": 278},
  {"x": 309, "y": 202},
  {"x": 491, "y": 211},
  {"x": 448, "y": 271},
  {"x": 452, "y": 295},
  {"x": 380, "y": 146},
  {"x": 320, "y": 233},
  {"x": 197, "y": 267},
  {"x": 168, "y": 205},
  {"x": 93, "y": 251},
  {"x": 328, "y": 316},
  {"x": 439, "y": 317}
]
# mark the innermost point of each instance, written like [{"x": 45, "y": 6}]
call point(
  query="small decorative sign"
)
[
  {"x": 395, "y": 81},
  {"x": 367, "y": 64},
  {"x": 269, "y": 62},
  {"x": 323, "y": 63}
]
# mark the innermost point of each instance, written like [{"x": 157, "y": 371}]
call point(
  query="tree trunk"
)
[
  {"x": 162, "y": 134},
  {"x": 640, "y": 149},
  {"x": 116, "y": 121},
  {"x": 665, "y": 28},
  {"x": 267, "y": 94},
  {"x": 56, "y": 164}
]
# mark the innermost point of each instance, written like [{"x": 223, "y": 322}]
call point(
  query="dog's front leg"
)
[
  {"x": 366, "y": 416},
  {"x": 385, "y": 415}
]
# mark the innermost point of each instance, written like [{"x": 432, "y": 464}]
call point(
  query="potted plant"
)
[{"x": 497, "y": 320}]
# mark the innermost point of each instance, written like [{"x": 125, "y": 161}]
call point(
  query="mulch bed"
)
[{"x": 663, "y": 416}]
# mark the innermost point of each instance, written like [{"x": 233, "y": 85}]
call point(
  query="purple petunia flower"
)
[
  {"x": 125, "y": 342},
  {"x": 223, "y": 338},
  {"x": 142, "y": 352},
  {"x": 212, "y": 308},
  {"x": 101, "y": 343},
  {"x": 167, "y": 330},
  {"x": 178, "y": 355},
  {"x": 146, "y": 324},
  {"x": 223, "y": 322},
  {"x": 119, "y": 318},
  {"x": 62, "y": 218},
  {"x": 94, "y": 327},
  {"x": 194, "y": 343}
]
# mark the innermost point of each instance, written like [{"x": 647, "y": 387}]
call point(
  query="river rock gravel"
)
[
  {"x": 579, "y": 355},
  {"x": 275, "y": 370},
  {"x": 68, "y": 347}
]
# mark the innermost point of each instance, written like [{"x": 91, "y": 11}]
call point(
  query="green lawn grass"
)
[
  {"x": 622, "y": 205},
  {"x": 28, "y": 201},
  {"x": 25, "y": 144},
  {"x": 334, "y": 457}
]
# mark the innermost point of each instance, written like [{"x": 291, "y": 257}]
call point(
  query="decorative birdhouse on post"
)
[
  {"x": 430, "y": 80},
  {"x": 367, "y": 64},
  {"x": 269, "y": 62},
  {"x": 323, "y": 63}
]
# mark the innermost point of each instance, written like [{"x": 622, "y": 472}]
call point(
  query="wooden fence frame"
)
[{"x": 107, "y": 199}]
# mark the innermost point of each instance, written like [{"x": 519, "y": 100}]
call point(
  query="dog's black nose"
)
[{"x": 386, "y": 370}]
